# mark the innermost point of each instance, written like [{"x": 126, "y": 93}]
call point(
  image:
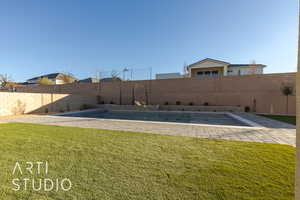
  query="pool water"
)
[{"x": 179, "y": 117}]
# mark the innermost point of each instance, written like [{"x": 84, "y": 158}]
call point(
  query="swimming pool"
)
[{"x": 162, "y": 116}]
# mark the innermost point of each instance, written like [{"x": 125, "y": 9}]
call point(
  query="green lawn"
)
[
  {"x": 283, "y": 118},
  {"x": 124, "y": 165}
]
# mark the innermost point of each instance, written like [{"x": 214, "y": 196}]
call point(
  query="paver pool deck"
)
[{"x": 269, "y": 131}]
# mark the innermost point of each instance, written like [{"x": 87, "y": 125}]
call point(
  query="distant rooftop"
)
[
  {"x": 225, "y": 63},
  {"x": 49, "y": 76}
]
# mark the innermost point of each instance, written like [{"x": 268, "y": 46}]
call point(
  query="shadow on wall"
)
[
  {"x": 67, "y": 104},
  {"x": 20, "y": 108},
  {"x": 13, "y": 103}
]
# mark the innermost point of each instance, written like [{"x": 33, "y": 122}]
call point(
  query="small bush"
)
[
  {"x": 84, "y": 107},
  {"x": 99, "y": 99},
  {"x": 166, "y": 103},
  {"x": 178, "y": 103},
  {"x": 68, "y": 107},
  {"x": 61, "y": 110},
  {"x": 191, "y": 103},
  {"x": 247, "y": 109},
  {"x": 102, "y": 102},
  {"x": 46, "y": 110},
  {"x": 206, "y": 104},
  {"x": 111, "y": 102},
  {"x": 45, "y": 81}
]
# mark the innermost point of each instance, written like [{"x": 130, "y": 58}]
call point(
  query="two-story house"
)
[{"x": 210, "y": 67}]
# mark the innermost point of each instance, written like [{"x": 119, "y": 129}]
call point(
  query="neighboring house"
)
[
  {"x": 106, "y": 80},
  {"x": 89, "y": 80},
  {"x": 168, "y": 76},
  {"x": 210, "y": 67},
  {"x": 56, "y": 78},
  {"x": 103, "y": 80}
]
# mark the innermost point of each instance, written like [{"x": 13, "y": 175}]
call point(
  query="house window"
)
[
  {"x": 242, "y": 72},
  {"x": 215, "y": 73},
  {"x": 208, "y": 73},
  {"x": 200, "y": 74}
]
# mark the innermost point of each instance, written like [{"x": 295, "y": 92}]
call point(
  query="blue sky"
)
[{"x": 83, "y": 37}]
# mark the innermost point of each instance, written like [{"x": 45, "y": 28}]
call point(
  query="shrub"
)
[
  {"x": 45, "y": 81},
  {"x": 191, "y": 103},
  {"x": 61, "y": 110},
  {"x": 99, "y": 99},
  {"x": 178, "y": 103},
  {"x": 84, "y": 107},
  {"x": 46, "y": 110},
  {"x": 111, "y": 102},
  {"x": 205, "y": 104},
  {"x": 166, "y": 103},
  {"x": 247, "y": 109},
  {"x": 68, "y": 108}
]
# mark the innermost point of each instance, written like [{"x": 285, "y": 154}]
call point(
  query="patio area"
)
[{"x": 268, "y": 131}]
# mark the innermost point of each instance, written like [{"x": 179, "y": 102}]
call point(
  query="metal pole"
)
[
  {"x": 297, "y": 177},
  {"x": 150, "y": 86}
]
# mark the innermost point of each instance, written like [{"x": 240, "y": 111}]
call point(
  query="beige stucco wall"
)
[
  {"x": 225, "y": 90},
  {"x": 242, "y": 90},
  {"x": 246, "y": 70},
  {"x": 12, "y": 103}
]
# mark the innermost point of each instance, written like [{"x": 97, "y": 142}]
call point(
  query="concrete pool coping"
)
[
  {"x": 252, "y": 125},
  {"x": 149, "y": 111}
]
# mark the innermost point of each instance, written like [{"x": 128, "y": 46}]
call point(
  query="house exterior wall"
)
[
  {"x": 194, "y": 72},
  {"x": 207, "y": 65},
  {"x": 57, "y": 81},
  {"x": 261, "y": 93},
  {"x": 226, "y": 68},
  {"x": 230, "y": 70},
  {"x": 245, "y": 70}
]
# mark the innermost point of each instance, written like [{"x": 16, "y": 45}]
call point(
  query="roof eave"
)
[{"x": 213, "y": 60}]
